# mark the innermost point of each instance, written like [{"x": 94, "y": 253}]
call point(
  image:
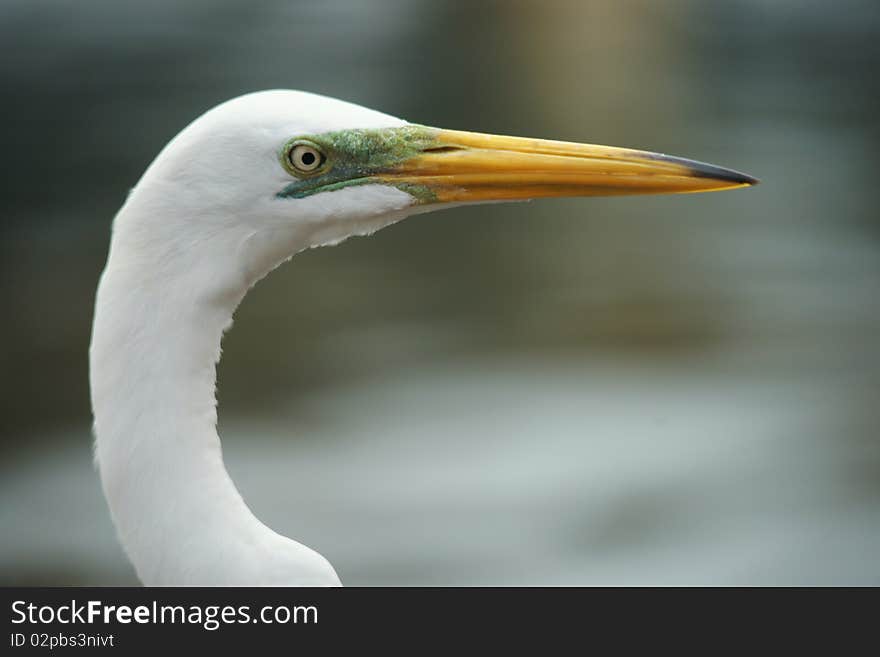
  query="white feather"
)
[{"x": 198, "y": 230}]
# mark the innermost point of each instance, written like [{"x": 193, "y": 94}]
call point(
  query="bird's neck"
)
[{"x": 155, "y": 345}]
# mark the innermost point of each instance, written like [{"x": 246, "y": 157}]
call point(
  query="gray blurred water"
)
[{"x": 645, "y": 390}]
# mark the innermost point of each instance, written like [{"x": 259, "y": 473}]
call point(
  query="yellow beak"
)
[{"x": 471, "y": 167}]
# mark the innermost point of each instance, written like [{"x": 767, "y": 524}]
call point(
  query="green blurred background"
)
[{"x": 678, "y": 390}]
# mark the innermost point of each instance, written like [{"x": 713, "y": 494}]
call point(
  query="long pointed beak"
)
[{"x": 469, "y": 167}]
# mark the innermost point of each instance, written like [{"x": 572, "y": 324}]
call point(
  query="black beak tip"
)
[{"x": 704, "y": 170}]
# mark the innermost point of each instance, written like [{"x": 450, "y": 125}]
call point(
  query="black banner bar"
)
[{"x": 129, "y": 620}]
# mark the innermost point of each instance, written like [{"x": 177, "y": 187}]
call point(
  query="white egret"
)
[{"x": 240, "y": 190}]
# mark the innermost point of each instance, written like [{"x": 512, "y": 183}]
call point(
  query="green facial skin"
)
[{"x": 355, "y": 157}]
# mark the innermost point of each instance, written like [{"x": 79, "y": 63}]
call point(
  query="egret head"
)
[
  {"x": 267, "y": 174},
  {"x": 238, "y": 191}
]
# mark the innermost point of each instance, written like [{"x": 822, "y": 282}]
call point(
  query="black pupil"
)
[{"x": 308, "y": 158}]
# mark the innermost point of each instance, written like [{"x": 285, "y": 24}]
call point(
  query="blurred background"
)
[{"x": 655, "y": 390}]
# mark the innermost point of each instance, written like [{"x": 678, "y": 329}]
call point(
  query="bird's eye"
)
[{"x": 305, "y": 158}]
